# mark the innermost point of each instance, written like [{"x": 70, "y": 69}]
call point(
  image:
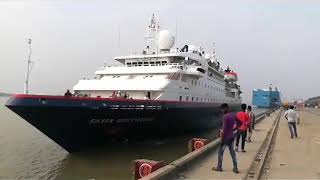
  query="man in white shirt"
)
[{"x": 292, "y": 117}]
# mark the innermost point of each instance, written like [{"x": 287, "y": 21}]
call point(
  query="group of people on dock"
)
[{"x": 237, "y": 126}]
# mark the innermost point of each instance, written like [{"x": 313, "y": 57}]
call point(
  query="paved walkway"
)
[
  {"x": 298, "y": 158},
  {"x": 203, "y": 170}
]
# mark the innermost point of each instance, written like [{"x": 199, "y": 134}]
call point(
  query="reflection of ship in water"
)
[
  {"x": 164, "y": 90},
  {"x": 266, "y": 98}
]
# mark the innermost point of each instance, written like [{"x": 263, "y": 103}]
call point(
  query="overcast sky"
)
[{"x": 266, "y": 42}]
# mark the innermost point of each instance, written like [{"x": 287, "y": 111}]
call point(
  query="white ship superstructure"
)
[{"x": 161, "y": 72}]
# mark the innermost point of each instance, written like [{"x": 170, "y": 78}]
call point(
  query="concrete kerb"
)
[
  {"x": 246, "y": 174},
  {"x": 176, "y": 166}
]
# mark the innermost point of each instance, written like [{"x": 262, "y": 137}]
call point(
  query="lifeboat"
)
[{"x": 231, "y": 76}]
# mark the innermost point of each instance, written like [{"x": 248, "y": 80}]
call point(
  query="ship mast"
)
[
  {"x": 26, "y": 88},
  {"x": 152, "y": 35}
]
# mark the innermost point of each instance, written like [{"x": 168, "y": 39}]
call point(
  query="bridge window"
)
[
  {"x": 187, "y": 98},
  {"x": 192, "y": 99},
  {"x": 180, "y": 98}
]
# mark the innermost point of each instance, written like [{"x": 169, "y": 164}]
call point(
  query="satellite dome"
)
[{"x": 165, "y": 39}]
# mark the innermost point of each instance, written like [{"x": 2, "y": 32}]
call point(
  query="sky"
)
[{"x": 266, "y": 42}]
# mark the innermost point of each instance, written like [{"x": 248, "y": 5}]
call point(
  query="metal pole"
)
[{"x": 26, "y": 90}]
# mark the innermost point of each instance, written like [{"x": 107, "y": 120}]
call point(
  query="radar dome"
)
[{"x": 165, "y": 39}]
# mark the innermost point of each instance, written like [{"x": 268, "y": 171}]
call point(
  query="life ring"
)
[
  {"x": 198, "y": 144},
  {"x": 145, "y": 169}
]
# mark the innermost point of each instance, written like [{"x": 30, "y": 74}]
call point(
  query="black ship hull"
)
[{"x": 78, "y": 123}]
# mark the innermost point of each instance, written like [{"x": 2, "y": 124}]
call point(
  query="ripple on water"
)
[{"x": 26, "y": 153}]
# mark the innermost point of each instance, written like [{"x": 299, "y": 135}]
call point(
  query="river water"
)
[{"x": 25, "y": 153}]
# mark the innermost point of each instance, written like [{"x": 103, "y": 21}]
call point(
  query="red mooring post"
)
[
  {"x": 143, "y": 167},
  {"x": 196, "y": 143}
]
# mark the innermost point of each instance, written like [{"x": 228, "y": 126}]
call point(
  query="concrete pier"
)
[
  {"x": 202, "y": 170},
  {"x": 297, "y": 158},
  {"x": 286, "y": 158}
]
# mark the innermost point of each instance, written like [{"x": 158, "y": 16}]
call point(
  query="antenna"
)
[
  {"x": 26, "y": 88},
  {"x": 153, "y": 30},
  {"x": 119, "y": 36},
  {"x": 214, "y": 48},
  {"x": 176, "y": 31}
]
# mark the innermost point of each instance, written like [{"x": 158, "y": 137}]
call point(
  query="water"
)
[{"x": 25, "y": 153}]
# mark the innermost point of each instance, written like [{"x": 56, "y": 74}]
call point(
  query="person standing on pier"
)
[
  {"x": 292, "y": 116},
  {"x": 227, "y": 137},
  {"x": 251, "y": 122},
  {"x": 243, "y": 117}
]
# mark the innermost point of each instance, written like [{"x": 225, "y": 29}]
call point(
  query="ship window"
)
[
  {"x": 187, "y": 98},
  {"x": 164, "y": 62},
  {"x": 158, "y": 62},
  {"x": 180, "y": 98},
  {"x": 197, "y": 99},
  {"x": 139, "y": 63},
  {"x": 129, "y": 64},
  {"x": 145, "y": 63},
  {"x": 201, "y": 100},
  {"x": 134, "y": 63},
  {"x": 192, "y": 99}
]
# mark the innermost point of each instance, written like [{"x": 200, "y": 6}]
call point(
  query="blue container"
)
[{"x": 266, "y": 98}]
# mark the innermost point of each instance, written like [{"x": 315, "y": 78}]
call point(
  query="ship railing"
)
[{"x": 171, "y": 65}]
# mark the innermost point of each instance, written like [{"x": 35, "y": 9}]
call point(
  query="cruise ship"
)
[{"x": 164, "y": 90}]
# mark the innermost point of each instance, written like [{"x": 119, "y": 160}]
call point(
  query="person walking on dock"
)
[
  {"x": 243, "y": 117},
  {"x": 292, "y": 116},
  {"x": 252, "y": 120},
  {"x": 227, "y": 137}
]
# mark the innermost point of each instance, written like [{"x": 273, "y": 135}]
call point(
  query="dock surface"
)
[
  {"x": 297, "y": 158},
  {"x": 203, "y": 169},
  {"x": 289, "y": 159}
]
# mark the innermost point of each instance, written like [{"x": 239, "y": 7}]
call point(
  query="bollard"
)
[
  {"x": 143, "y": 167},
  {"x": 196, "y": 143}
]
